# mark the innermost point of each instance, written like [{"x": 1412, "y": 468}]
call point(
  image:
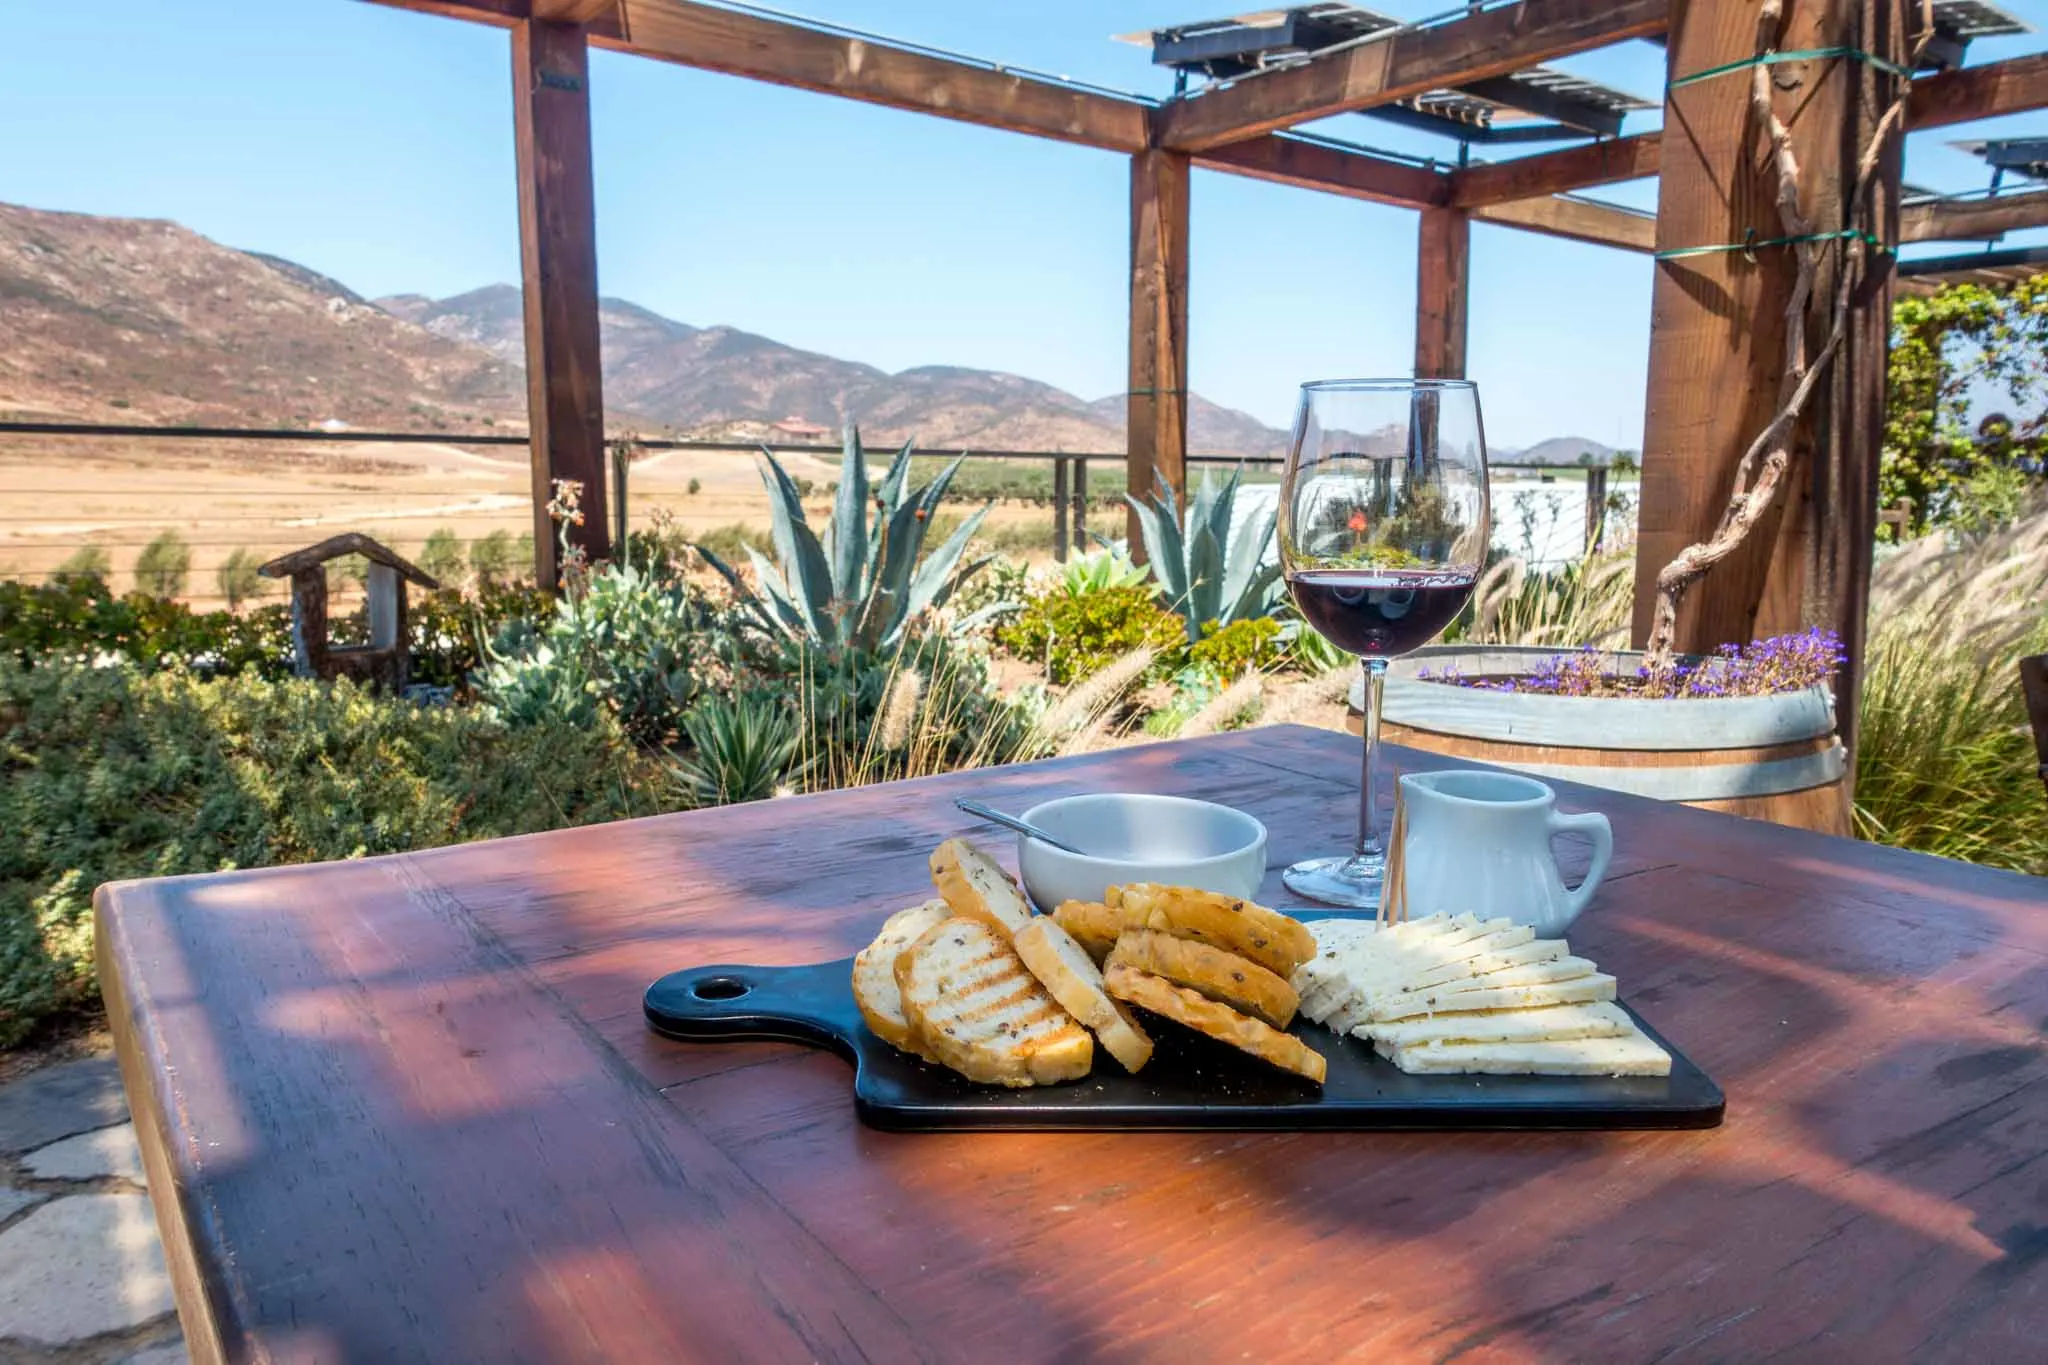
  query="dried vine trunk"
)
[{"x": 1763, "y": 464}]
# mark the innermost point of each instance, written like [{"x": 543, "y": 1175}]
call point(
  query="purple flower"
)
[{"x": 1782, "y": 663}]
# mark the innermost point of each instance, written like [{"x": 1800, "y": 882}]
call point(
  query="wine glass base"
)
[{"x": 1353, "y": 882}]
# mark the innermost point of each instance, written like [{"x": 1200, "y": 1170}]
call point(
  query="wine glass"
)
[{"x": 1383, "y": 531}]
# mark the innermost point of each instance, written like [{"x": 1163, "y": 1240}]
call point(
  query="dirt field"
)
[{"x": 58, "y": 494}]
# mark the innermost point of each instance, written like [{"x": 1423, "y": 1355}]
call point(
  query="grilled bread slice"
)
[
  {"x": 874, "y": 973},
  {"x": 1064, "y": 968},
  {"x": 1094, "y": 926},
  {"x": 1198, "y": 1012},
  {"x": 976, "y": 886},
  {"x": 1267, "y": 937},
  {"x": 975, "y": 1007},
  {"x": 1234, "y": 981}
]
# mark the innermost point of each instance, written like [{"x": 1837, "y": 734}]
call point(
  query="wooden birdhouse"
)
[{"x": 385, "y": 660}]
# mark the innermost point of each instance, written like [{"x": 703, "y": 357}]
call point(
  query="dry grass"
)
[{"x": 1587, "y": 603}]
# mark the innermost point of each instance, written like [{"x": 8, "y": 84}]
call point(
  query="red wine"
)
[{"x": 1383, "y": 612}]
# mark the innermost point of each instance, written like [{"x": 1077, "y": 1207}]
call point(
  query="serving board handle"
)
[{"x": 779, "y": 1004}]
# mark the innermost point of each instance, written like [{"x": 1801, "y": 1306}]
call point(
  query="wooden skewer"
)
[{"x": 1394, "y": 885}]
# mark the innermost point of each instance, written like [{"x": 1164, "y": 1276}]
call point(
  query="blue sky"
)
[{"x": 375, "y": 145}]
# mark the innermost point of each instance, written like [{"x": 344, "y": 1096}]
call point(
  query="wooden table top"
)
[{"x": 406, "y": 1109}]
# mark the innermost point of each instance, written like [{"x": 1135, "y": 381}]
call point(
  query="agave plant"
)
[
  {"x": 1205, "y": 572},
  {"x": 857, "y": 585},
  {"x": 741, "y": 747}
]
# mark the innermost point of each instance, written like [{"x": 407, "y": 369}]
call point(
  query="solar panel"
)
[
  {"x": 2022, "y": 156},
  {"x": 1537, "y": 104}
]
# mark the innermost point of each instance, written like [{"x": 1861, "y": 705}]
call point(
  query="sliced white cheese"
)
[
  {"x": 1440, "y": 959},
  {"x": 1553, "y": 1023},
  {"x": 1536, "y": 950},
  {"x": 1631, "y": 1054},
  {"x": 1598, "y": 986},
  {"x": 1530, "y": 974}
]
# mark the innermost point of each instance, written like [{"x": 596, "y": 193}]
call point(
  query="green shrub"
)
[
  {"x": 79, "y": 619},
  {"x": 1107, "y": 567},
  {"x": 1230, "y": 650},
  {"x": 741, "y": 748},
  {"x": 237, "y": 578},
  {"x": 1073, "y": 636},
  {"x": 731, "y": 541},
  {"x": 113, "y": 773},
  {"x": 162, "y": 567},
  {"x": 623, "y": 646},
  {"x": 87, "y": 561},
  {"x": 441, "y": 557},
  {"x": 696, "y": 487}
]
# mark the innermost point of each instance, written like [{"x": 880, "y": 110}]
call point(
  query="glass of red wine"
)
[{"x": 1383, "y": 531}]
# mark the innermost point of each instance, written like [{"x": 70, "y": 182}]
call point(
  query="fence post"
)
[
  {"x": 1596, "y": 507},
  {"x": 1081, "y": 504},
  {"x": 1059, "y": 508}
]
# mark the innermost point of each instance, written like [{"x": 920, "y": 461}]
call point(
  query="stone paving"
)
[{"x": 82, "y": 1278}]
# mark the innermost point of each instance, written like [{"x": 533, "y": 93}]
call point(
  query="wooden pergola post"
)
[
  {"x": 1442, "y": 293},
  {"x": 558, "y": 268},
  {"x": 1157, "y": 429},
  {"x": 1717, "y": 351}
]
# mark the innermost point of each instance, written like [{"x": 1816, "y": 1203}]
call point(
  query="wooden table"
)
[{"x": 405, "y": 1109}]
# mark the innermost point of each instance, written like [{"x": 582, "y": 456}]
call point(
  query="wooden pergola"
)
[{"x": 1717, "y": 317}]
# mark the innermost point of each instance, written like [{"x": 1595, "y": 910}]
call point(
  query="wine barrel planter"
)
[{"x": 1770, "y": 758}]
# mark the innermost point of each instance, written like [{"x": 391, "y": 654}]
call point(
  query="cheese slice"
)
[
  {"x": 1407, "y": 1005},
  {"x": 1535, "y": 950},
  {"x": 1529, "y": 974},
  {"x": 1553, "y": 1023},
  {"x": 1441, "y": 959},
  {"x": 1386, "y": 957},
  {"x": 1631, "y": 1054}
]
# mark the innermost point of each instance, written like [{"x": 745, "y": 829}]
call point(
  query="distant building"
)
[{"x": 797, "y": 429}]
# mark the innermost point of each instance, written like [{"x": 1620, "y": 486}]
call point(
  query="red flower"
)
[{"x": 1357, "y": 522}]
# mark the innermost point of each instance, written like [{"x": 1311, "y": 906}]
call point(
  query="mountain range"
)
[{"x": 141, "y": 320}]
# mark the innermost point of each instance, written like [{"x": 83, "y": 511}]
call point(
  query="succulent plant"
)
[
  {"x": 1206, "y": 573},
  {"x": 856, "y": 585}
]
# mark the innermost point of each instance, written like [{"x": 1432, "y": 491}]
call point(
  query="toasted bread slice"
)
[
  {"x": 874, "y": 973},
  {"x": 1198, "y": 1012},
  {"x": 1064, "y": 968},
  {"x": 976, "y": 886},
  {"x": 1228, "y": 978},
  {"x": 977, "y": 1009},
  {"x": 1267, "y": 937},
  {"x": 1094, "y": 926}
]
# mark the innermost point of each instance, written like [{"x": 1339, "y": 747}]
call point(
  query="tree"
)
[
  {"x": 490, "y": 558},
  {"x": 441, "y": 557},
  {"x": 1951, "y": 352},
  {"x": 237, "y": 577},
  {"x": 162, "y": 567},
  {"x": 87, "y": 561}
]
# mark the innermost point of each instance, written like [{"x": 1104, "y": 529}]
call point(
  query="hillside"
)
[
  {"x": 143, "y": 320},
  {"x": 124, "y": 319}
]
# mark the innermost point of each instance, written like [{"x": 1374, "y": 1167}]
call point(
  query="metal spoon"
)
[{"x": 1023, "y": 827}]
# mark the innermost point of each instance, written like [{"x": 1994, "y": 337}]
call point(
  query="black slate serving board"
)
[{"x": 1191, "y": 1082}]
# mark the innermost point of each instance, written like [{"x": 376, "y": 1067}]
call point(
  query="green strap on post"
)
[
  {"x": 1810, "y": 54},
  {"x": 1874, "y": 242}
]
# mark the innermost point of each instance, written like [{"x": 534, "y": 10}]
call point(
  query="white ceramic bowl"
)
[{"x": 1132, "y": 837}]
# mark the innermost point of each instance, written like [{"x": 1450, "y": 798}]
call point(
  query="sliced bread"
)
[
  {"x": 1226, "y": 1025},
  {"x": 975, "y": 1007},
  {"x": 874, "y": 972},
  {"x": 1235, "y": 981},
  {"x": 1064, "y": 968},
  {"x": 976, "y": 886},
  {"x": 1269, "y": 938}
]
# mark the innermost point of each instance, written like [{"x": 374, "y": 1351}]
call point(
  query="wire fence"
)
[{"x": 218, "y": 515}]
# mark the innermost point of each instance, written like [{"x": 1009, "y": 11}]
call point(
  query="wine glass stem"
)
[{"x": 1369, "y": 845}]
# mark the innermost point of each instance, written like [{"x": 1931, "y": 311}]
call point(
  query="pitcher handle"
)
[{"x": 1594, "y": 826}]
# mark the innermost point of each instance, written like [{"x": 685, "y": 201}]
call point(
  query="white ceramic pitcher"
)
[{"x": 1479, "y": 843}]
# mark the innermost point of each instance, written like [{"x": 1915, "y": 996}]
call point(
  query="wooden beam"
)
[
  {"x": 1717, "y": 347},
  {"x": 1157, "y": 431},
  {"x": 576, "y": 11},
  {"x": 558, "y": 265},
  {"x": 1318, "y": 166},
  {"x": 1968, "y": 220},
  {"x": 1577, "y": 168},
  {"x": 499, "y": 13},
  {"x": 1408, "y": 62},
  {"x": 1577, "y": 219},
  {"x": 1974, "y": 92},
  {"x": 1442, "y": 293},
  {"x": 739, "y": 44}
]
